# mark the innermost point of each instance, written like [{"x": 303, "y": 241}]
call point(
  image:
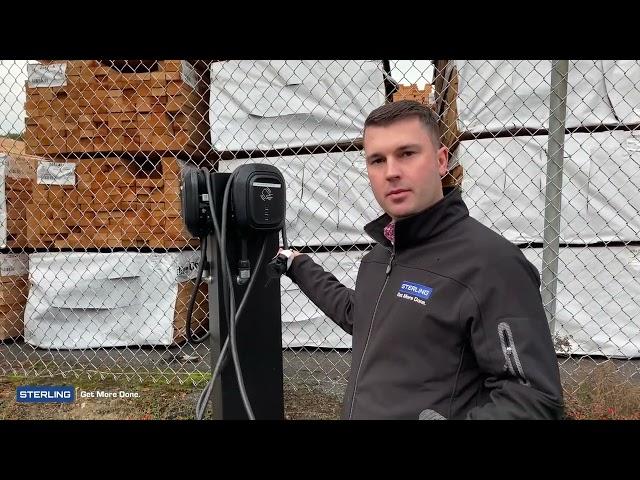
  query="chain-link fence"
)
[{"x": 97, "y": 268}]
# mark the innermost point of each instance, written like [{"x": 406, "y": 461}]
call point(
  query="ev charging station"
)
[{"x": 238, "y": 217}]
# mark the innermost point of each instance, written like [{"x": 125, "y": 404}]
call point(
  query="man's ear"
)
[{"x": 443, "y": 161}]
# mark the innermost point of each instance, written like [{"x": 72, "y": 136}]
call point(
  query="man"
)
[{"x": 446, "y": 315}]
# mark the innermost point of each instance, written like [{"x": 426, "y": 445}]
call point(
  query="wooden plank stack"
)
[
  {"x": 448, "y": 119},
  {"x": 101, "y": 109},
  {"x": 14, "y": 289},
  {"x": 18, "y": 191},
  {"x": 111, "y": 203},
  {"x": 200, "y": 317},
  {"x": 18, "y": 171},
  {"x": 412, "y": 92},
  {"x": 122, "y": 128}
]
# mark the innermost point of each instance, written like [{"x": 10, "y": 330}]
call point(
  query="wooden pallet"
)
[
  {"x": 412, "y": 92},
  {"x": 112, "y": 203},
  {"x": 13, "y": 299},
  {"x": 200, "y": 317},
  {"x": 19, "y": 176},
  {"x": 448, "y": 120},
  {"x": 104, "y": 110}
]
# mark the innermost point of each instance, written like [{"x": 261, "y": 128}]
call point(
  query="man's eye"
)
[
  {"x": 376, "y": 160},
  {"x": 407, "y": 153}
]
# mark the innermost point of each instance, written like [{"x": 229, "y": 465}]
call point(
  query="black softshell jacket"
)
[{"x": 449, "y": 319}]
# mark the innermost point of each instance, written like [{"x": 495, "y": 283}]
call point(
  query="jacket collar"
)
[{"x": 418, "y": 228}]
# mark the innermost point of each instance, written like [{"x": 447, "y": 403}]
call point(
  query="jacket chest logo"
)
[{"x": 415, "y": 292}]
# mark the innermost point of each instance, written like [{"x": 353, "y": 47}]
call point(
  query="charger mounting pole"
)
[{"x": 258, "y": 331}]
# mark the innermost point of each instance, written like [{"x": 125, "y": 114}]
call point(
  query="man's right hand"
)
[
  {"x": 290, "y": 254},
  {"x": 280, "y": 264}
]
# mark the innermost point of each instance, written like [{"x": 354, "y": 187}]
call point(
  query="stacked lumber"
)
[
  {"x": 200, "y": 316},
  {"x": 14, "y": 289},
  {"x": 449, "y": 133},
  {"x": 413, "y": 92},
  {"x": 84, "y": 107},
  {"x": 107, "y": 203},
  {"x": 17, "y": 174}
]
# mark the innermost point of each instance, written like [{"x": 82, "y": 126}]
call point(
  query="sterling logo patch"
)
[{"x": 414, "y": 292}]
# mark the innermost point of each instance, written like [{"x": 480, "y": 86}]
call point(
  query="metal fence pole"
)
[{"x": 553, "y": 193}]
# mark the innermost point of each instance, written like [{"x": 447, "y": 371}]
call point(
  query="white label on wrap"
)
[
  {"x": 53, "y": 173},
  {"x": 187, "y": 267},
  {"x": 16, "y": 168},
  {"x": 53, "y": 75},
  {"x": 14, "y": 265},
  {"x": 189, "y": 75}
]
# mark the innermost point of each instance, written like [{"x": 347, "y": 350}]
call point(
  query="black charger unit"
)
[
  {"x": 258, "y": 198},
  {"x": 195, "y": 203}
]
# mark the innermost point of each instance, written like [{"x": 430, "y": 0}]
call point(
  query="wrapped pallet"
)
[
  {"x": 79, "y": 107},
  {"x": 505, "y": 186},
  {"x": 91, "y": 300},
  {"x": 275, "y": 104},
  {"x": 622, "y": 80},
  {"x": 14, "y": 288},
  {"x": 498, "y": 95},
  {"x": 303, "y": 323},
  {"x": 597, "y": 309},
  {"x": 107, "y": 203}
]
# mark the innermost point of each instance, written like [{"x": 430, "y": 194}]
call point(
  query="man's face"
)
[{"x": 404, "y": 167}]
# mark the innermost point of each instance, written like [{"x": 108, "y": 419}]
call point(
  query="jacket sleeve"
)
[
  {"x": 512, "y": 342},
  {"x": 324, "y": 290}
]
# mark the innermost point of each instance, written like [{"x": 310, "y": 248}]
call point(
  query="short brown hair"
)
[{"x": 394, "y": 111}]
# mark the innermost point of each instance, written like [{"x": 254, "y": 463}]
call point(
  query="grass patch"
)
[{"x": 604, "y": 394}]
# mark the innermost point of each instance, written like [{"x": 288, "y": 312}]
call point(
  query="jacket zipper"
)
[
  {"x": 375, "y": 310},
  {"x": 510, "y": 352}
]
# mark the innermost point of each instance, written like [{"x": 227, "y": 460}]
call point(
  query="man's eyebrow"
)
[
  {"x": 410, "y": 146},
  {"x": 374, "y": 156}
]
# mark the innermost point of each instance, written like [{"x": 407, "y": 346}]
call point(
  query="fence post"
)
[{"x": 553, "y": 193}]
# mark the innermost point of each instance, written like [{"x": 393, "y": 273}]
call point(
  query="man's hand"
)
[
  {"x": 280, "y": 264},
  {"x": 290, "y": 254},
  {"x": 294, "y": 253}
]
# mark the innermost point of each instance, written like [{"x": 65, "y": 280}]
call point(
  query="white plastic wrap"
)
[
  {"x": 622, "y": 79},
  {"x": 268, "y": 104},
  {"x": 303, "y": 324},
  {"x": 597, "y": 311},
  {"x": 92, "y": 300},
  {"x": 505, "y": 180},
  {"x": 597, "y": 304},
  {"x": 496, "y": 95}
]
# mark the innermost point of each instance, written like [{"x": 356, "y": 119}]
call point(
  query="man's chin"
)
[{"x": 398, "y": 213}]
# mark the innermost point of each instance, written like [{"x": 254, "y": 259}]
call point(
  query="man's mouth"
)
[{"x": 397, "y": 192}]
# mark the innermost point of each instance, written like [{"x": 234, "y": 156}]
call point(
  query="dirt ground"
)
[
  {"x": 315, "y": 381},
  {"x": 155, "y": 401}
]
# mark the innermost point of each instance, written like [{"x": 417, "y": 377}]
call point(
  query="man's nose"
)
[{"x": 393, "y": 169}]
